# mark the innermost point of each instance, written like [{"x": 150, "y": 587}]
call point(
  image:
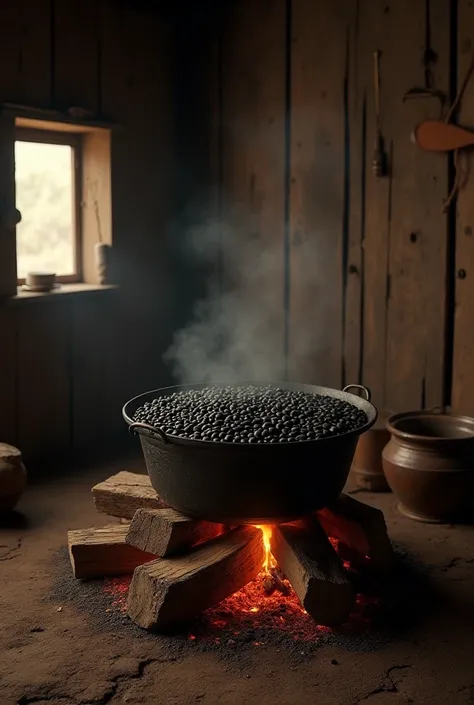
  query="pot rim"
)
[
  {"x": 394, "y": 418},
  {"x": 369, "y": 409}
]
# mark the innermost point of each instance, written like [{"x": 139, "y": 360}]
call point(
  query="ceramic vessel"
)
[
  {"x": 367, "y": 467},
  {"x": 12, "y": 477},
  {"x": 102, "y": 262},
  {"x": 429, "y": 464}
]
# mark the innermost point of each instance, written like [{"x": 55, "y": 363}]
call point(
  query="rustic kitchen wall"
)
[
  {"x": 255, "y": 118},
  {"x": 67, "y": 366},
  {"x": 370, "y": 275}
]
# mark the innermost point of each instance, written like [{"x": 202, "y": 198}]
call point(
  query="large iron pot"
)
[{"x": 248, "y": 483}]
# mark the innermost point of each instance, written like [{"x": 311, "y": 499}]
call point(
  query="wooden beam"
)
[
  {"x": 170, "y": 591},
  {"x": 122, "y": 494},
  {"x": 315, "y": 571},
  {"x": 361, "y": 527},
  {"x": 164, "y": 531},
  {"x": 102, "y": 551}
]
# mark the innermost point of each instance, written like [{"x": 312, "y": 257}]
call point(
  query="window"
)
[
  {"x": 48, "y": 196},
  {"x": 57, "y": 175}
]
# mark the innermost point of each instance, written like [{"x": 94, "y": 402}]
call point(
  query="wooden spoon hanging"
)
[{"x": 439, "y": 136}]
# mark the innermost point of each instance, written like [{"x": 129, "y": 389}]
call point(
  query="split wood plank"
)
[
  {"x": 165, "y": 531},
  {"x": 8, "y": 374},
  {"x": 122, "y": 494},
  {"x": 308, "y": 560},
  {"x": 8, "y": 268},
  {"x": 44, "y": 394},
  {"x": 93, "y": 415},
  {"x": 373, "y": 28},
  {"x": 463, "y": 352},
  {"x": 136, "y": 78},
  {"x": 354, "y": 227},
  {"x": 417, "y": 248},
  {"x": 253, "y": 183},
  {"x": 361, "y": 527},
  {"x": 170, "y": 591},
  {"x": 76, "y": 51},
  {"x": 25, "y": 53},
  {"x": 10, "y": 53},
  {"x": 317, "y": 197},
  {"x": 102, "y": 551}
]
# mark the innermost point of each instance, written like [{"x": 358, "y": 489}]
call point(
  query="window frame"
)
[{"x": 73, "y": 140}]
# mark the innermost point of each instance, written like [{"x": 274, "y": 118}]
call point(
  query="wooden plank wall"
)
[
  {"x": 253, "y": 182},
  {"x": 365, "y": 260},
  {"x": 463, "y": 352},
  {"x": 67, "y": 367}
]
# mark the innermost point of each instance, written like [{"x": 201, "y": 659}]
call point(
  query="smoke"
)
[{"x": 237, "y": 330}]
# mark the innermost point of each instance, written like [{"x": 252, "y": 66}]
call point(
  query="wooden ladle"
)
[{"x": 439, "y": 136}]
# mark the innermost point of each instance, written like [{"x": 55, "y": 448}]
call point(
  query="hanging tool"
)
[
  {"x": 426, "y": 93},
  {"x": 430, "y": 57},
  {"x": 379, "y": 160},
  {"x": 440, "y": 136}
]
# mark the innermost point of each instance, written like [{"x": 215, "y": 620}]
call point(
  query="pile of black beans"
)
[{"x": 250, "y": 414}]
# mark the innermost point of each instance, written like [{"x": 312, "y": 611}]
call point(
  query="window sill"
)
[{"x": 65, "y": 290}]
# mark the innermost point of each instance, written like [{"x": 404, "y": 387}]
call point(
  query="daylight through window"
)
[{"x": 46, "y": 197}]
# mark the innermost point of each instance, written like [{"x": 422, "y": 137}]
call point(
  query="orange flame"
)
[{"x": 267, "y": 535}]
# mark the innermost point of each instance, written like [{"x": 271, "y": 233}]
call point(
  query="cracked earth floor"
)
[{"x": 54, "y": 656}]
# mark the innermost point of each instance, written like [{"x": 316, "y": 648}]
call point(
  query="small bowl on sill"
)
[
  {"x": 40, "y": 282},
  {"x": 429, "y": 465}
]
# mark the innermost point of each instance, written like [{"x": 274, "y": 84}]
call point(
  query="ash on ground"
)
[{"x": 250, "y": 619}]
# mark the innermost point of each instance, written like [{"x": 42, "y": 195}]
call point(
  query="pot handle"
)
[
  {"x": 144, "y": 429},
  {"x": 361, "y": 388}
]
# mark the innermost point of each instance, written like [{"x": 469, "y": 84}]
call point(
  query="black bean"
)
[{"x": 251, "y": 414}]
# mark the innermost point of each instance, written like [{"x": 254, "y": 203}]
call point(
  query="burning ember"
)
[{"x": 264, "y": 606}]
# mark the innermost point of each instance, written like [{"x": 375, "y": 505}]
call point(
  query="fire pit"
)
[{"x": 182, "y": 566}]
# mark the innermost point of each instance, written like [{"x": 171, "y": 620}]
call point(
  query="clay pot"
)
[
  {"x": 429, "y": 464},
  {"x": 367, "y": 467},
  {"x": 12, "y": 477}
]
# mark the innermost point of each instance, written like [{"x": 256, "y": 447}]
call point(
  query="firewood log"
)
[
  {"x": 310, "y": 563},
  {"x": 122, "y": 494},
  {"x": 102, "y": 551},
  {"x": 164, "y": 531},
  {"x": 362, "y": 528},
  {"x": 170, "y": 591}
]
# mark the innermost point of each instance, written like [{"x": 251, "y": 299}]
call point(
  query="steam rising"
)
[{"x": 237, "y": 330}]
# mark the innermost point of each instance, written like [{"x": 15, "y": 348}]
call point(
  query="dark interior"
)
[{"x": 243, "y": 198}]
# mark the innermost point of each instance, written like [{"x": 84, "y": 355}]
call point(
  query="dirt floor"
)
[{"x": 60, "y": 645}]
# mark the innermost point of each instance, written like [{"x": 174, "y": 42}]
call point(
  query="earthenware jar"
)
[
  {"x": 429, "y": 464},
  {"x": 12, "y": 476},
  {"x": 367, "y": 469}
]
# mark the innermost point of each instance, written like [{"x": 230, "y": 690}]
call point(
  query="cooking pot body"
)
[
  {"x": 432, "y": 475},
  {"x": 248, "y": 483}
]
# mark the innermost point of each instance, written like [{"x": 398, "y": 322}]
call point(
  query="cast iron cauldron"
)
[{"x": 248, "y": 483}]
